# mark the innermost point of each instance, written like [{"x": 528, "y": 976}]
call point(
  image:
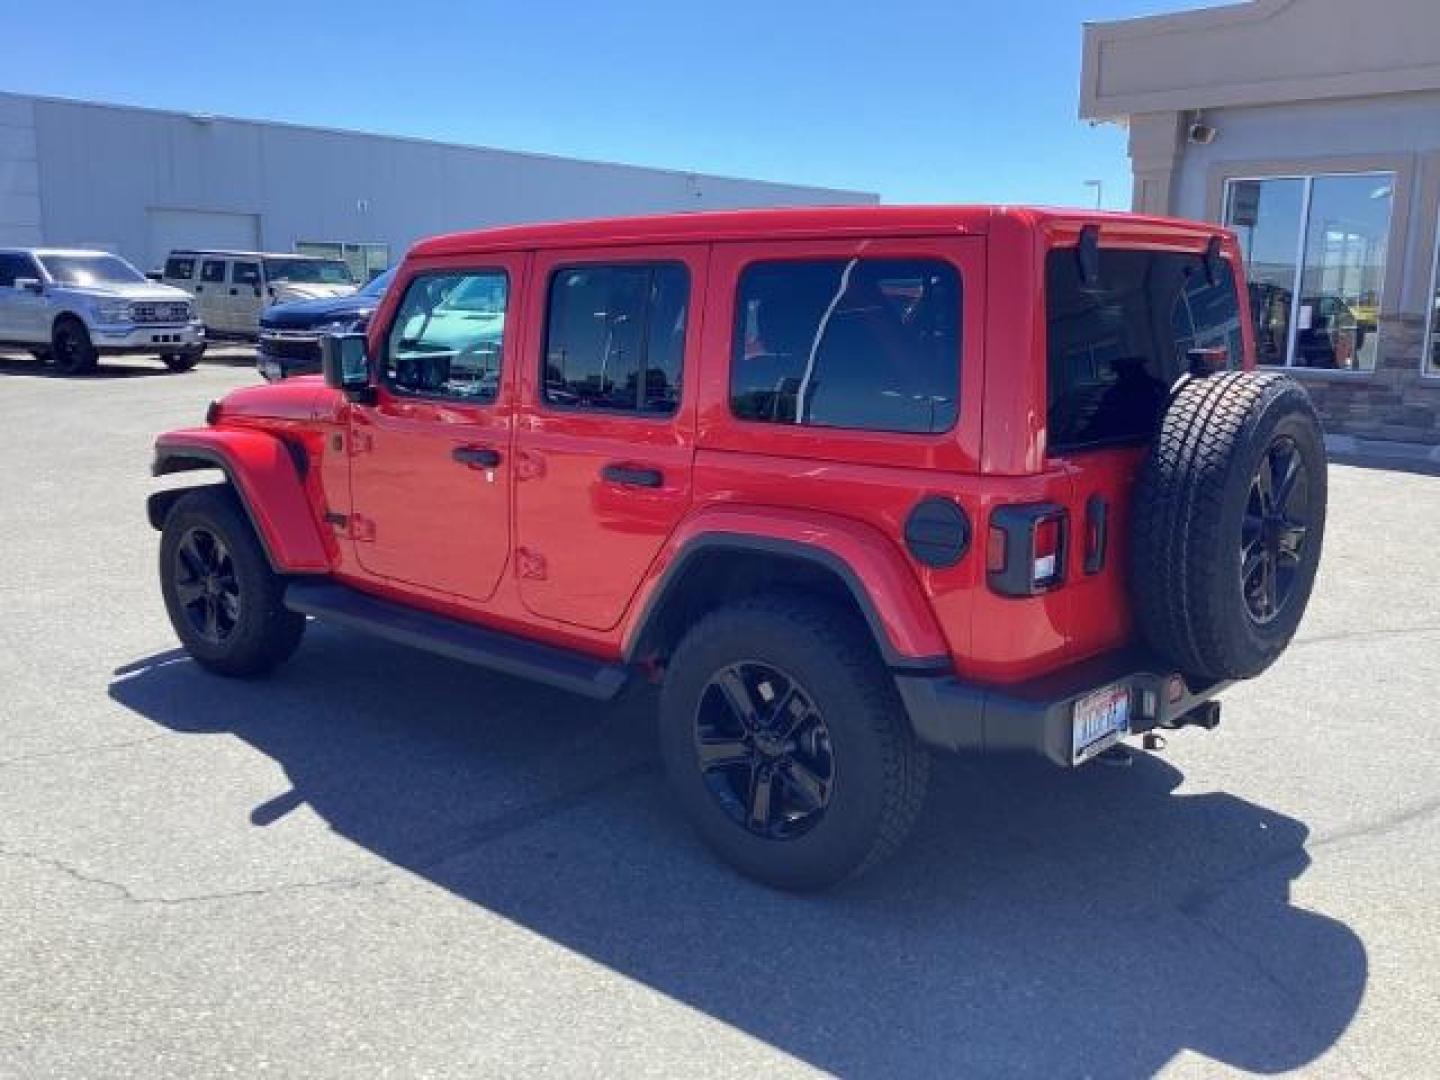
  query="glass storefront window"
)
[{"x": 1315, "y": 250}]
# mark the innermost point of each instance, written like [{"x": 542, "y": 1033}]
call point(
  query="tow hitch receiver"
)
[{"x": 1205, "y": 715}]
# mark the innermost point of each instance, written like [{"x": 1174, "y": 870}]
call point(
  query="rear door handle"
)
[
  {"x": 633, "y": 476},
  {"x": 476, "y": 457}
]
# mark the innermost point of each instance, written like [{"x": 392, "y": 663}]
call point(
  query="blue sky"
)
[{"x": 925, "y": 101}]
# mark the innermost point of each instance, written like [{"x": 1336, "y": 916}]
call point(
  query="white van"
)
[{"x": 232, "y": 288}]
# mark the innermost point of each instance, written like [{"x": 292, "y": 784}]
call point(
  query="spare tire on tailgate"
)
[{"x": 1229, "y": 517}]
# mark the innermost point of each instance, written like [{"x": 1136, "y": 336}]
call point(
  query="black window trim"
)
[
  {"x": 382, "y": 361},
  {"x": 542, "y": 400},
  {"x": 943, "y": 435}
]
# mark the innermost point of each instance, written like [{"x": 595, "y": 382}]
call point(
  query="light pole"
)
[{"x": 1099, "y": 186}]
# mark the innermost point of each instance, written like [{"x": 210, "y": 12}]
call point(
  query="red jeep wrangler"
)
[{"x": 851, "y": 484}]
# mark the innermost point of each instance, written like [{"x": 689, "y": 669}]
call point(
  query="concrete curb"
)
[{"x": 1381, "y": 454}]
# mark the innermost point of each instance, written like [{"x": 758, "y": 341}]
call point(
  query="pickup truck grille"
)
[{"x": 161, "y": 312}]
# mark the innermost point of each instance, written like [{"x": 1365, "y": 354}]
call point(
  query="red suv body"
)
[{"x": 564, "y": 446}]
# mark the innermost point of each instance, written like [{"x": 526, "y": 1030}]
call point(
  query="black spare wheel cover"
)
[{"x": 1228, "y": 522}]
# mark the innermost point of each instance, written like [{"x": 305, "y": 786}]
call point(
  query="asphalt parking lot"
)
[{"x": 383, "y": 863}]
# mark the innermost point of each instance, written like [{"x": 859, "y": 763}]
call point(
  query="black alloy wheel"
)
[
  {"x": 206, "y": 585},
  {"x": 1274, "y": 529},
  {"x": 764, "y": 750}
]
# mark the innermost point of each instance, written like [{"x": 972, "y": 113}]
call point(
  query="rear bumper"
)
[
  {"x": 282, "y": 354},
  {"x": 1036, "y": 717}
]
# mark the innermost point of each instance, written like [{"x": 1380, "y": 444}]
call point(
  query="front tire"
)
[
  {"x": 224, "y": 601},
  {"x": 71, "y": 348},
  {"x": 786, "y": 743},
  {"x": 181, "y": 361}
]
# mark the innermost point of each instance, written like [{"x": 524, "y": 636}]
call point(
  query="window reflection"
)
[{"x": 1315, "y": 252}]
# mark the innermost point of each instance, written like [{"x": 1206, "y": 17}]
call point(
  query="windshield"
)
[
  {"x": 308, "y": 271},
  {"x": 90, "y": 270},
  {"x": 379, "y": 284}
]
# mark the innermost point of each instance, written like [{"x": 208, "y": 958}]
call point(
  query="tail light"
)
[{"x": 1025, "y": 549}]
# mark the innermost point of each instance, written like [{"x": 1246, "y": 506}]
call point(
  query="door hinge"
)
[
  {"x": 529, "y": 565},
  {"x": 529, "y": 465},
  {"x": 362, "y": 529}
]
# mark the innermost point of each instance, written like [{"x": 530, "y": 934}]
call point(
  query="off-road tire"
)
[
  {"x": 880, "y": 770},
  {"x": 1190, "y": 508},
  {"x": 72, "y": 351},
  {"x": 181, "y": 361},
  {"x": 266, "y": 633}
]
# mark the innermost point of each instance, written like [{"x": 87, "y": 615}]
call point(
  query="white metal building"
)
[{"x": 142, "y": 181}]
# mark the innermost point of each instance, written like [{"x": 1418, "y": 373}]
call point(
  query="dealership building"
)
[
  {"x": 1312, "y": 128},
  {"x": 140, "y": 182}
]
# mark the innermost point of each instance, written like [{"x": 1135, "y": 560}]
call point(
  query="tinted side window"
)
[
  {"x": 245, "y": 273},
  {"x": 860, "y": 343},
  {"x": 615, "y": 337},
  {"x": 213, "y": 270},
  {"x": 180, "y": 269},
  {"x": 16, "y": 266},
  {"x": 1116, "y": 345},
  {"x": 448, "y": 336}
]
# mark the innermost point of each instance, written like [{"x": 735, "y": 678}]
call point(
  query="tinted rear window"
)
[
  {"x": 870, "y": 344},
  {"x": 1116, "y": 345}
]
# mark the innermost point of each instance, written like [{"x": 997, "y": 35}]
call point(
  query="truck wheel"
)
[
  {"x": 181, "y": 361},
  {"x": 224, "y": 600},
  {"x": 1229, "y": 522},
  {"x": 786, "y": 743},
  {"x": 71, "y": 348}
]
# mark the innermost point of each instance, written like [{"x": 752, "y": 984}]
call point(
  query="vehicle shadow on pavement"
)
[
  {"x": 1039, "y": 923},
  {"x": 38, "y": 369}
]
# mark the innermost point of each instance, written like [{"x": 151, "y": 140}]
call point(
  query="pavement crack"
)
[
  {"x": 129, "y": 896},
  {"x": 79, "y": 751},
  {"x": 1356, "y": 635}
]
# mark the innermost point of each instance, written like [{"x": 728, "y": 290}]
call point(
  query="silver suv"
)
[{"x": 72, "y": 307}]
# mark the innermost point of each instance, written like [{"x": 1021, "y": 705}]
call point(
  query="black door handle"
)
[
  {"x": 234, "y": 292},
  {"x": 633, "y": 476},
  {"x": 476, "y": 456}
]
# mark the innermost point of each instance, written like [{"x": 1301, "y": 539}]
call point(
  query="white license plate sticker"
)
[{"x": 1100, "y": 719}]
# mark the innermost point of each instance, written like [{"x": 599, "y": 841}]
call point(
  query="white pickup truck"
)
[{"x": 70, "y": 307}]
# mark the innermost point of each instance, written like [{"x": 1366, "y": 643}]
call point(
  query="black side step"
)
[{"x": 457, "y": 640}]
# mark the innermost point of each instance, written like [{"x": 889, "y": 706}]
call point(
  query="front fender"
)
[
  {"x": 871, "y": 567},
  {"x": 265, "y": 475}
]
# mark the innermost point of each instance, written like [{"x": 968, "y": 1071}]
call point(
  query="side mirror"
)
[
  {"x": 345, "y": 365},
  {"x": 30, "y": 284}
]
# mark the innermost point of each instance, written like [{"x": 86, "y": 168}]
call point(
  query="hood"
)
[
  {"x": 305, "y": 314},
  {"x": 293, "y": 399},
  {"x": 139, "y": 290},
  {"x": 287, "y": 291}
]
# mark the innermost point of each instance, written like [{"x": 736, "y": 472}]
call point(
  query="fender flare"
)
[
  {"x": 266, "y": 477},
  {"x": 882, "y": 584}
]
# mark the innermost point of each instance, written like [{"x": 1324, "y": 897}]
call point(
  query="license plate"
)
[{"x": 1100, "y": 719}]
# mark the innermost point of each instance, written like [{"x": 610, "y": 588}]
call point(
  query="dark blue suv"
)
[{"x": 290, "y": 333}]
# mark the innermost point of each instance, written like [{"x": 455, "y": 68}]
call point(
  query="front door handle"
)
[
  {"x": 633, "y": 476},
  {"x": 476, "y": 457},
  {"x": 234, "y": 292}
]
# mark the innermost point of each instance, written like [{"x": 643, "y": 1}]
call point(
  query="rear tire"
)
[
  {"x": 827, "y": 740},
  {"x": 224, "y": 601},
  {"x": 72, "y": 350},
  {"x": 1229, "y": 523}
]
